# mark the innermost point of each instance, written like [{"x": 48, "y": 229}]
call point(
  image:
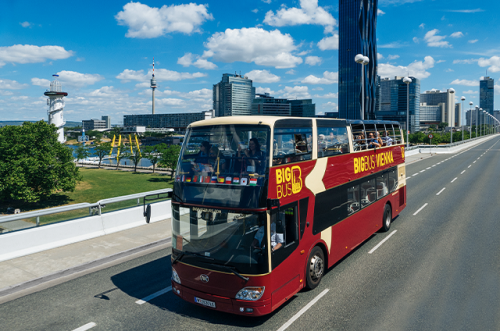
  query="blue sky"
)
[{"x": 103, "y": 51}]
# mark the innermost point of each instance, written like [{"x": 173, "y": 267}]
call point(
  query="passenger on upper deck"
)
[
  {"x": 217, "y": 162},
  {"x": 254, "y": 153},
  {"x": 386, "y": 139},
  {"x": 372, "y": 141}
]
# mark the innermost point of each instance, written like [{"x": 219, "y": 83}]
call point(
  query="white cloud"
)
[
  {"x": 26, "y": 24},
  {"x": 493, "y": 63},
  {"x": 457, "y": 34},
  {"x": 473, "y": 41},
  {"x": 127, "y": 75},
  {"x": 328, "y": 78},
  {"x": 313, "y": 60},
  {"x": 393, "y": 57},
  {"x": 395, "y": 44},
  {"x": 433, "y": 40},
  {"x": 7, "y": 84},
  {"x": 318, "y": 89},
  {"x": 449, "y": 70},
  {"x": 266, "y": 48},
  {"x": 267, "y": 1},
  {"x": 331, "y": 105},
  {"x": 308, "y": 13},
  {"x": 160, "y": 74},
  {"x": 469, "y": 61},
  {"x": 40, "y": 82},
  {"x": 468, "y": 11},
  {"x": 327, "y": 96},
  {"x": 255, "y": 10},
  {"x": 151, "y": 22},
  {"x": 76, "y": 79},
  {"x": 296, "y": 92},
  {"x": 290, "y": 72},
  {"x": 470, "y": 92},
  {"x": 2, "y": 92},
  {"x": 329, "y": 43},
  {"x": 379, "y": 56},
  {"x": 187, "y": 60},
  {"x": 465, "y": 82},
  {"x": 105, "y": 92},
  {"x": 380, "y": 12},
  {"x": 422, "y": 26},
  {"x": 416, "y": 69},
  {"x": 204, "y": 64},
  {"x": 169, "y": 102},
  {"x": 264, "y": 90},
  {"x": 262, "y": 76},
  {"x": 416, "y": 40},
  {"x": 18, "y": 98},
  {"x": 32, "y": 54}
]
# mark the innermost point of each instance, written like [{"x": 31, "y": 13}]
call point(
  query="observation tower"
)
[
  {"x": 56, "y": 105},
  {"x": 153, "y": 85}
]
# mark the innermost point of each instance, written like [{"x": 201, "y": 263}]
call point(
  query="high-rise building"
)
[
  {"x": 233, "y": 96},
  {"x": 437, "y": 97},
  {"x": 487, "y": 94},
  {"x": 357, "y": 35},
  {"x": 108, "y": 121},
  {"x": 303, "y": 108},
  {"x": 264, "y": 104},
  {"x": 179, "y": 122},
  {"x": 394, "y": 101}
]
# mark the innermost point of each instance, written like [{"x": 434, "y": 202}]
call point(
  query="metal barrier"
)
[{"x": 447, "y": 145}]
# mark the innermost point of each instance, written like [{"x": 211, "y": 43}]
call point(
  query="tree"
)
[
  {"x": 82, "y": 152},
  {"x": 432, "y": 127},
  {"x": 170, "y": 157},
  {"x": 34, "y": 164},
  {"x": 153, "y": 153},
  {"x": 442, "y": 125},
  {"x": 101, "y": 150},
  {"x": 135, "y": 157}
]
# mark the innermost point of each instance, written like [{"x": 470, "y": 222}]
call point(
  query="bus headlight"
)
[
  {"x": 252, "y": 293},
  {"x": 175, "y": 276}
]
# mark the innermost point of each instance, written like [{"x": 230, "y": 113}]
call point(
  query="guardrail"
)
[
  {"x": 94, "y": 208},
  {"x": 411, "y": 148}
]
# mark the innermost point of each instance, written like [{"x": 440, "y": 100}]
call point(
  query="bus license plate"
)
[{"x": 203, "y": 302}]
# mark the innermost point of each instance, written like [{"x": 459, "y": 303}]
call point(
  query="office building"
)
[
  {"x": 264, "y": 104},
  {"x": 394, "y": 102},
  {"x": 303, "y": 108},
  {"x": 458, "y": 114},
  {"x": 178, "y": 122},
  {"x": 108, "y": 121},
  {"x": 233, "y": 96},
  {"x": 430, "y": 115},
  {"x": 447, "y": 98},
  {"x": 487, "y": 94},
  {"x": 94, "y": 124},
  {"x": 357, "y": 35}
]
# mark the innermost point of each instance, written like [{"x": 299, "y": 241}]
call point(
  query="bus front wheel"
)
[
  {"x": 315, "y": 268},
  {"x": 386, "y": 222}
]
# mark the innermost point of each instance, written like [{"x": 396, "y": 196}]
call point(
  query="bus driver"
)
[{"x": 277, "y": 239}]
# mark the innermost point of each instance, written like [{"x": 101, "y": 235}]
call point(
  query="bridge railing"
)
[
  {"x": 444, "y": 146},
  {"x": 41, "y": 217}
]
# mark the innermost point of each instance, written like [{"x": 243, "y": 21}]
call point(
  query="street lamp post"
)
[
  {"x": 477, "y": 109},
  {"x": 407, "y": 81},
  {"x": 470, "y": 119},
  {"x": 363, "y": 60},
  {"x": 463, "y": 99},
  {"x": 452, "y": 124},
  {"x": 484, "y": 120}
]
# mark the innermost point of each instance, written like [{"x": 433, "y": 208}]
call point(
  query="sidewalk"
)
[{"x": 48, "y": 264}]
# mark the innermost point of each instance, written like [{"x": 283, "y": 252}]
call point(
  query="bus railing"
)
[{"x": 54, "y": 215}]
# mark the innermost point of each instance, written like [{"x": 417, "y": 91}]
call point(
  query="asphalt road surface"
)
[{"x": 438, "y": 268}]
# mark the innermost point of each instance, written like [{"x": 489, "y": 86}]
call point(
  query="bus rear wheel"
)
[
  {"x": 315, "y": 268},
  {"x": 386, "y": 221}
]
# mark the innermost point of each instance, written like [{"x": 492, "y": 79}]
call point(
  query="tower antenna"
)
[{"x": 153, "y": 85}]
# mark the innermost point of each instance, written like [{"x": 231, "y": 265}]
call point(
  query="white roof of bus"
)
[{"x": 268, "y": 120}]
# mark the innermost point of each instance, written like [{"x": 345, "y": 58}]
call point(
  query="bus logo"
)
[
  {"x": 204, "y": 278},
  {"x": 288, "y": 181}
]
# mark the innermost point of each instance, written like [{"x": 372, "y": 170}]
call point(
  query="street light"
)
[
  {"x": 484, "y": 129},
  {"x": 463, "y": 99},
  {"x": 470, "y": 119},
  {"x": 363, "y": 60},
  {"x": 452, "y": 124},
  {"x": 407, "y": 81},
  {"x": 477, "y": 109}
]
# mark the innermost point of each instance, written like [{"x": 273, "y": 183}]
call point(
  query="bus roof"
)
[{"x": 252, "y": 120}]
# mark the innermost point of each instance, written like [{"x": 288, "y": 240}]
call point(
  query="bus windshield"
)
[
  {"x": 220, "y": 237},
  {"x": 224, "y": 165}
]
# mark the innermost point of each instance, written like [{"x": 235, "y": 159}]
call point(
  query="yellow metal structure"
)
[
  {"x": 118, "y": 151},
  {"x": 137, "y": 144}
]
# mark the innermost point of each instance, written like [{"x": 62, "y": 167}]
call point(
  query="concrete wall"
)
[{"x": 34, "y": 240}]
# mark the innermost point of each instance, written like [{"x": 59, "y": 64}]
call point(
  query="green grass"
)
[{"x": 99, "y": 184}]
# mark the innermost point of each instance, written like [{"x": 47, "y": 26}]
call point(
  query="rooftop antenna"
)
[{"x": 153, "y": 85}]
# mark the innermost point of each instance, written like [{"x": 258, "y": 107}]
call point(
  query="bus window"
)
[
  {"x": 397, "y": 134},
  {"x": 393, "y": 179},
  {"x": 284, "y": 233},
  {"x": 291, "y": 145},
  {"x": 359, "y": 137},
  {"x": 373, "y": 140},
  {"x": 332, "y": 141},
  {"x": 353, "y": 199},
  {"x": 368, "y": 192},
  {"x": 382, "y": 185}
]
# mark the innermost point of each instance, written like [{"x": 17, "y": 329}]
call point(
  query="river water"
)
[{"x": 142, "y": 162}]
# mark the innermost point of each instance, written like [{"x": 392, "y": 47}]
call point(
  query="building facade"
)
[
  {"x": 437, "y": 97},
  {"x": 108, "y": 121},
  {"x": 303, "y": 108},
  {"x": 394, "y": 102},
  {"x": 357, "y": 35},
  {"x": 178, "y": 122},
  {"x": 487, "y": 94},
  {"x": 233, "y": 96},
  {"x": 264, "y": 104},
  {"x": 94, "y": 124}
]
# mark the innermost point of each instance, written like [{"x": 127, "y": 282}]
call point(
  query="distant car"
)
[{"x": 11, "y": 210}]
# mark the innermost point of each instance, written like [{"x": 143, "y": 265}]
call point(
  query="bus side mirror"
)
[{"x": 272, "y": 203}]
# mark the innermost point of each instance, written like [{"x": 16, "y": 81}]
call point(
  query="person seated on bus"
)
[
  {"x": 254, "y": 154},
  {"x": 217, "y": 161},
  {"x": 277, "y": 239},
  {"x": 372, "y": 141},
  {"x": 379, "y": 140},
  {"x": 202, "y": 156},
  {"x": 387, "y": 139}
]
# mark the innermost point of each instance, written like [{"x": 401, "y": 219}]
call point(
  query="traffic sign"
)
[{"x": 430, "y": 136}]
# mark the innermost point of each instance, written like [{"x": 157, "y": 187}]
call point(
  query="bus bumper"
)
[{"x": 228, "y": 305}]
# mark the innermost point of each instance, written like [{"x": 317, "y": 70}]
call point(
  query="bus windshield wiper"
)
[
  {"x": 181, "y": 254},
  {"x": 232, "y": 269}
]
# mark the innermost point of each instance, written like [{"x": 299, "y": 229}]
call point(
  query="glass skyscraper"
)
[
  {"x": 233, "y": 96},
  {"x": 357, "y": 35},
  {"x": 487, "y": 94}
]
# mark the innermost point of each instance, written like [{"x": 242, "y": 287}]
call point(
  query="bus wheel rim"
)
[
  {"x": 387, "y": 218},
  {"x": 316, "y": 268}
]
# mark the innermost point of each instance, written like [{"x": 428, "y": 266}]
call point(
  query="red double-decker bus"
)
[{"x": 262, "y": 206}]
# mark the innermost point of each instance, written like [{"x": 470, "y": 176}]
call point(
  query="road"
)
[{"x": 438, "y": 268}]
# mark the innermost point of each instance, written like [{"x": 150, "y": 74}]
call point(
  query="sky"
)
[{"x": 103, "y": 52}]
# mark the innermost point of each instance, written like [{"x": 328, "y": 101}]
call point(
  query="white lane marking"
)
[
  {"x": 422, "y": 170},
  {"x": 469, "y": 166},
  {"x": 408, "y": 178},
  {"x": 428, "y": 168},
  {"x": 303, "y": 310},
  {"x": 454, "y": 179},
  {"x": 383, "y": 241},
  {"x": 415, "y": 175},
  {"x": 462, "y": 172},
  {"x": 418, "y": 211},
  {"x": 439, "y": 163},
  {"x": 474, "y": 161},
  {"x": 441, "y": 191},
  {"x": 433, "y": 165},
  {"x": 86, "y": 327},
  {"x": 154, "y": 295}
]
